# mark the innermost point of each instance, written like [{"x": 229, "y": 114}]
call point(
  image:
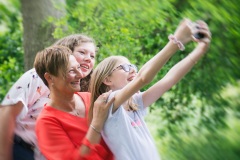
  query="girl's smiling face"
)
[
  {"x": 85, "y": 56},
  {"x": 122, "y": 74}
]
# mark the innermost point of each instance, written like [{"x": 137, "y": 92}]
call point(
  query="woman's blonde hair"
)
[{"x": 97, "y": 87}]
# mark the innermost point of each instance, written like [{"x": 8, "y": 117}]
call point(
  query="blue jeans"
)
[{"x": 22, "y": 153}]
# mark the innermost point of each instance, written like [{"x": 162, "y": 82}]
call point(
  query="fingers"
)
[
  {"x": 101, "y": 108},
  {"x": 187, "y": 21},
  {"x": 102, "y": 100},
  {"x": 201, "y": 32},
  {"x": 105, "y": 96},
  {"x": 105, "y": 99},
  {"x": 202, "y": 24},
  {"x": 109, "y": 103}
]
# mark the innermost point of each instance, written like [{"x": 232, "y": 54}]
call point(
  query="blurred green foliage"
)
[
  {"x": 11, "y": 51},
  {"x": 138, "y": 30},
  {"x": 200, "y": 143},
  {"x": 204, "y": 146}
]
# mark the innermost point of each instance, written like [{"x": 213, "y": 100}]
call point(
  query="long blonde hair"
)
[{"x": 97, "y": 87}]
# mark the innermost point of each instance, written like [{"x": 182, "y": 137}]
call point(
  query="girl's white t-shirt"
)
[{"x": 127, "y": 135}]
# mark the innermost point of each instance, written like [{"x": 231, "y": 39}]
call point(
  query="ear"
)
[
  {"x": 107, "y": 81},
  {"x": 48, "y": 77}
]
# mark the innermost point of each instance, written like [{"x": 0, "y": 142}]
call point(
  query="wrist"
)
[
  {"x": 98, "y": 126},
  {"x": 98, "y": 123},
  {"x": 193, "y": 61},
  {"x": 183, "y": 32},
  {"x": 177, "y": 42},
  {"x": 202, "y": 47},
  {"x": 95, "y": 129}
]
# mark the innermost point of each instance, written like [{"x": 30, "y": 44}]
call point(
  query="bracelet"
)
[
  {"x": 177, "y": 42},
  {"x": 95, "y": 129}
]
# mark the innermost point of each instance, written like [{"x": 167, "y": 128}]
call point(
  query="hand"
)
[
  {"x": 183, "y": 32},
  {"x": 200, "y": 27},
  {"x": 101, "y": 109}
]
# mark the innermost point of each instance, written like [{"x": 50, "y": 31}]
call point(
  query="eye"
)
[
  {"x": 134, "y": 67},
  {"x": 92, "y": 56},
  {"x": 71, "y": 71},
  {"x": 81, "y": 52},
  {"x": 125, "y": 67}
]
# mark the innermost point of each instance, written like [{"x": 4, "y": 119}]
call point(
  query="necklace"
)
[
  {"x": 78, "y": 110},
  {"x": 75, "y": 107}
]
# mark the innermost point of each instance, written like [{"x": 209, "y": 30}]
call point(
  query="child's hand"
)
[
  {"x": 201, "y": 28},
  {"x": 201, "y": 32},
  {"x": 184, "y": 31}
]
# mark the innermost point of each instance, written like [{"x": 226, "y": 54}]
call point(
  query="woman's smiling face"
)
[{"x": 70, "y": 83}]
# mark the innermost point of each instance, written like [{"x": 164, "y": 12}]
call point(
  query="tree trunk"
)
[{"x": 37, "y": 32}]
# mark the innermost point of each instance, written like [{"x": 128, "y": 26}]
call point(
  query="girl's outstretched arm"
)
[
  {"x": 183, "y": 34},
  {"x": 178, "y": 71}
]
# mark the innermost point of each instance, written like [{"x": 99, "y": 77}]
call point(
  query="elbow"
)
[{"x": 144, "y": 80}]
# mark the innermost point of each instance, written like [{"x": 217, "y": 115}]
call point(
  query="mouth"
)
[
  {"x": 131, "y": 78},
  {"x": 84, "y": 66},
  {"x": 75, "y": 83}
]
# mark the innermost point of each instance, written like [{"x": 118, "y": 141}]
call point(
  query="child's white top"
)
[{"x": 127, "y": 135}]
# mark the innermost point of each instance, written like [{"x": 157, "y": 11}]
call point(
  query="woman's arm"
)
[
  {"x": 100, "y": 113},
  {"x": 8, "y": 115},
  {"x": 15, "y": 103},
  {"x": 55, "y": 143}
]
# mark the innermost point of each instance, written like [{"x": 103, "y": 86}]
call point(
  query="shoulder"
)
[
  {"x": 28, "y": 75},
  {"x": 27, "y": 89},
  {"x": 137, "y": 97},
  {"x": 85, "y": 96},
  {"x": 30, "y": 81},
  {"x": 47, "y": 112},
  {"x": 49, "y": 116}
]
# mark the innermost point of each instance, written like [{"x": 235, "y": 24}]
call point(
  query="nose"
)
[
  {"x": 132, "y": 70},
  {"x": 87, "y": 58}
]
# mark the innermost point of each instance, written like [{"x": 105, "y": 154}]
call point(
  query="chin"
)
[
  {"x": 76, "y": 88},
  {"x": 85, "y": 74}
]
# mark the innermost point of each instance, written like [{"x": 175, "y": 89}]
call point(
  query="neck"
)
[{"x": 63, "y": 102}]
